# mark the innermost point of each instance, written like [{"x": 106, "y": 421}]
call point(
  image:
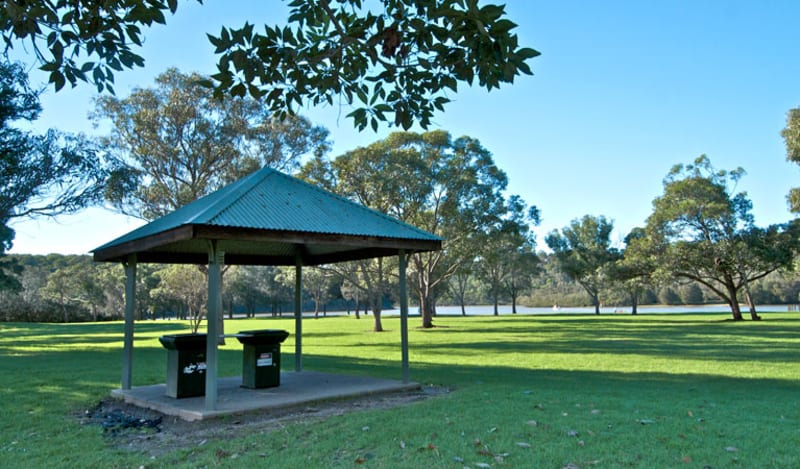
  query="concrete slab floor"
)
[{"x": 296, "y": 388}]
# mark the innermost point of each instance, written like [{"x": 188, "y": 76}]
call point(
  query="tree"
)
[
  {"x": 351, "y": 292},
  {"x": 178, "y": 143},
  {"x": 701, "y": 230},
  {"x": 59, "y": 289},
  {"x": 399, "y": 61},
  {"x": 523, "y": 266},
  {"x": 40, "y": 175},
  {"x": 318, "y": 282},
  {"x": 450, "y": 188},
  {"x": 458, "y": 284},
  {"x": 583, "y": 251},
  {"x": 632, "y": 271},
  {"x": 507, "y": 257},
  {"x": 185, "y": 286},
  {"x": 791, "y": 136},
  {"x": 254, "y": 287}
]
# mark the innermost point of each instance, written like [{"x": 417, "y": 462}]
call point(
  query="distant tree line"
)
[
  {"x": 700, "y": 232},
  {"x": 71, "y": 288},
  {"x": 553, "y": 287}
]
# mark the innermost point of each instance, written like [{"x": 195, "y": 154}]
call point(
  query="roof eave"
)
[
  {"x": 147, "y": 248},
  {"x": 118, "y": 252}
]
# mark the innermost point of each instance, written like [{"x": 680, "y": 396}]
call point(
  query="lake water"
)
[{"x": 483, "y": 310}]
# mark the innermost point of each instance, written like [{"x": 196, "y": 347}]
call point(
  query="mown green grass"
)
[{"x": 526, "y": 391}]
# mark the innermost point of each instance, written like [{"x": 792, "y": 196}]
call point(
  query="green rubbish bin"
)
[
  {"x": 186, "y": 364},
  {"x": 261, "y": 359}
]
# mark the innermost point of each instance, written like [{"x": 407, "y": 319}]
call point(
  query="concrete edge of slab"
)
[
  {"x": 316, "y": 387},
  {"x": 164, "y": 408}
]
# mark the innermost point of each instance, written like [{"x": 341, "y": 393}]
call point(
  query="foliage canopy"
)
[
  {"x": 44, "y": 175},
  {"x": 177, "y": 143},
  {"x": 702, "y": 231},
  {"x": 791, "y": 136},
  {"x": 583, "y": 251},
  {"x": 398, "y": 58}
]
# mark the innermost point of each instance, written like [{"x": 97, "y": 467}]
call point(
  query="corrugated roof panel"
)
[{"x": 280, "y": 202}]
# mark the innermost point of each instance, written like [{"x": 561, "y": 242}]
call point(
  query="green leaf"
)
[
  {"x": 502, "y": 26},
  {"x": 57, "y": 78},
  {"x": 528, "y": 53}
]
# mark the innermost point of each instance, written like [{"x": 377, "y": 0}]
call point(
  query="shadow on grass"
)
[
  {"x": 69, "y": 336},
  {"x": 556, "y": 380},
  {"x": 754, "y": 341},
  {"x": 64, "y": 383}
]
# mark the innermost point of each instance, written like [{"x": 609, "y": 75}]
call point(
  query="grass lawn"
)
[{"x": 526, "y": 391}]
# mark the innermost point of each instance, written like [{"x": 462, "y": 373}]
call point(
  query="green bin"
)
[
  {"x": 186, "y": 364},
  {"x": 261, "y": 359}
]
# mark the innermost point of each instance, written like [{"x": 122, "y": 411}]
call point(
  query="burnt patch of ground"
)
[{"x": 133, "y": 428}]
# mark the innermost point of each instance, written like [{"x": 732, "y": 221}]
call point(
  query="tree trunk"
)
[
  {"x": 634, "y": 302},
  {"x": 596, "y": 302},
  {"x": 513, "y": 303},
  {"x": 733, "y": 302},
  {"x": 377, "y": 308},
  {"x": 461, "y": 282},
  {"x": 737, "y": 313},
  {"x": 751, "y": 305},
  {"x": 425, "y": 310},
  {"x": 192, "y": 322}
]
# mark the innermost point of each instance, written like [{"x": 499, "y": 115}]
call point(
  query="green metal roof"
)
[{"x": 265, "y": 218}]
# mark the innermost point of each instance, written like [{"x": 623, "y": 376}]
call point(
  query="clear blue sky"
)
[{"x": 623, "y": 90}]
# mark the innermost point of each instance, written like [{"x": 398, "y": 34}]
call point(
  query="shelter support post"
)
[
  {"x": 130, "y": 309},
  {"x": 298, "y": 314},
  {"x": 215, "y": 260},
  {"x": 403, "y": 313}
]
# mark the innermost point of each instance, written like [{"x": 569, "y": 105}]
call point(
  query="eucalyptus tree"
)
[
  {"x": 459, "y": 282},
  {"x": 448, "y": 187},
  {"x": 255, "y": 286},
  {"x": 40, "y": 175},
  {"x": 178, "y": 143},
  {"x": 317, "y": 282},
  {"x": 791, "y": 136},
  {"x": 507, "y": 258},
  {"x": 60, "y": 289},
  {"x": 185, "y": 287},
  {"x": 584, "y": 253},
  {"x": 702, "y": 230},
  {"x": 632, "y": 272},
  {"x": 395, "y": 58}
]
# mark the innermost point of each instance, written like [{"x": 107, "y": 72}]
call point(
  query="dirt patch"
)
[{"x": 133, "y": 428}]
